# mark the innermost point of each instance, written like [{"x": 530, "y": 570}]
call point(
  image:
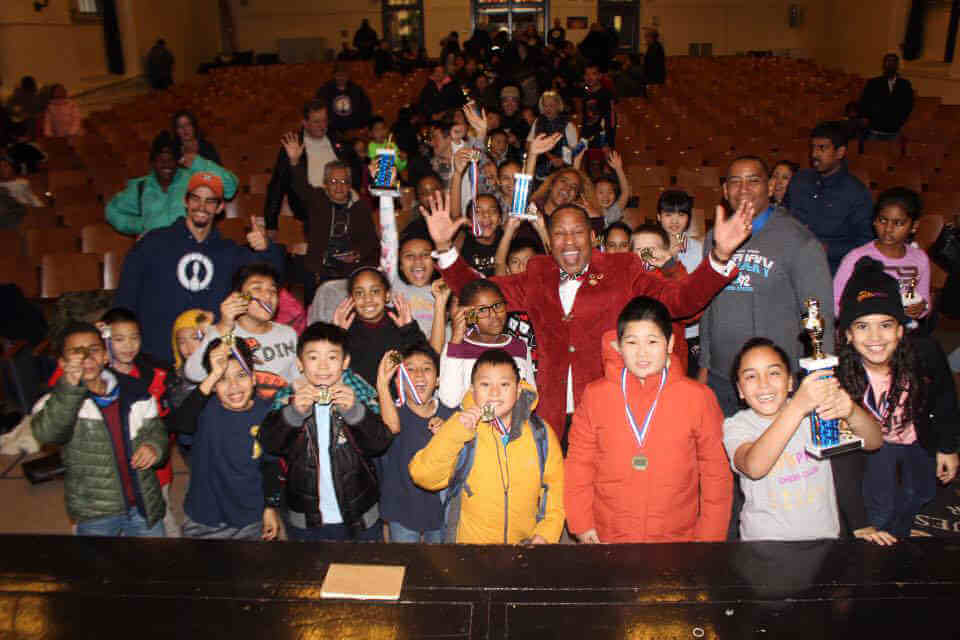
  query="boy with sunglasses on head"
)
[{"x": 112, "y": 437}]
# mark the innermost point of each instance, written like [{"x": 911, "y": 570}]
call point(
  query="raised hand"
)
[
  {"x": 294, "y": 148},
  {"x": 404, "y": 315},
  {"x": 947, "y": 467},
  {"x": 461, "y": 160},
  {"x": 731, "y": 231},
  {"x": 72, "y": 369},
  {"x": 441, "y": 292},
  {"x": 589, "y": 537},
  {"x": 469, "y": 418},
  {"x": 543, "y": 143},
  {"x": 615, "y": 161},
  {"x": 257, "y": 238},
  {"x": 233, "y": 306},
  {"x": 458, "y": 318},
  {"x": 441, "y": 227},
  {"x": 345, "y": 314},
  {"x": 304, "y": 395},
  {"x": 387, "y": 368},
  {"x": 477, "y": 122}
]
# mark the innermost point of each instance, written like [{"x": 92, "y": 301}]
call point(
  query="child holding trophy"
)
[
  {"x": 789, "y": 494},
  {"x": 906, "y": 385}
]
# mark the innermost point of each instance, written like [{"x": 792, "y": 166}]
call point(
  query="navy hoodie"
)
[{"x": 168, "y": 272}]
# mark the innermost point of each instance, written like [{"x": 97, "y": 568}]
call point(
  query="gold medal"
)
[
  {"x": 323, "y": 395},
  {"x": 640, "y": 462},
  {"x": 396, "y": 358},
  {"x": 488, "y": 414}
]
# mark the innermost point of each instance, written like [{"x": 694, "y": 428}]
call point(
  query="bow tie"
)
[{"x": 564, "y": 276}]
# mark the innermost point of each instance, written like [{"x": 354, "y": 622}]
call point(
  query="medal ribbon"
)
[
  {"x": 403, "y": 380},
  {"x": 641, "y": 433},
  {"x": 502, "y": 428},
  {"x": 474, "y": 177}
]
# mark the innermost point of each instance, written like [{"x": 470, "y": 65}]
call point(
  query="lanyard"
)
[
  {"x": 761, "y": 220},
  {"x": 641, "y": 433}
]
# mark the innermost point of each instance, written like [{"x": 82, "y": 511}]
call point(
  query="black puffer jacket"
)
[{"x": 290, "y": 435}]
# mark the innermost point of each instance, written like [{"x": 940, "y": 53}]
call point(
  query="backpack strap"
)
[
  {"x": 543, "y": 445},
  {"x": 455, "y": 488}
]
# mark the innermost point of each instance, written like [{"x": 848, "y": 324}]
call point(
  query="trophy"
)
[
  {"x": 383, "y": 180},
  {"x": 828, "y": 437},
  {"x": 521, "y": 192},
  {"x": 323, "y": 395},
  {"x": 908, "y": 292},
  {"x": 680, "y": 239}
]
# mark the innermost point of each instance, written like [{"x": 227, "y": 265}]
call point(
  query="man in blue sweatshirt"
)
[
  {"x": 187, "y": 265},
  {"x": 832, "y": 202}
]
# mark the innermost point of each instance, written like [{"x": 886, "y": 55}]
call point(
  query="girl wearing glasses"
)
[{"x": 478, "y": 325}]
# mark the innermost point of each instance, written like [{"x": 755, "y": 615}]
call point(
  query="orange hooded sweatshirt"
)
[
  {"x": 488, "y": 514},
  {"x": 685, "y": 492}
]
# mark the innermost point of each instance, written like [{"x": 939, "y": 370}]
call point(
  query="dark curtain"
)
[
  {"x": 913, "y": 40},
  {"x": 952, "y": 31},
  {"x": 111, "y": 37}
]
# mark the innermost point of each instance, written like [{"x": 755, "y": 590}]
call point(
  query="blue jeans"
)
[
  {"x": 399, "y": 533},
  {"x": 131, "y": 524},
  {"x": 890, "y": 506},
  {"x": 335, "y": 533}
]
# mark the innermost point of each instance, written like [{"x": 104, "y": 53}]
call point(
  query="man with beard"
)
[
  {"x": 886, "y": 101},
  {"x": 574, "y": 295},
  {"x": 187, "y": 265},
  {"x": 832, "y": 202}
]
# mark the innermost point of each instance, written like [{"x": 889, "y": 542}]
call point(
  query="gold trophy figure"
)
[{"x": 828, "y": 437}]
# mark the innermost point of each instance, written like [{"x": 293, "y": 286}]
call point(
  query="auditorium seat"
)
[
  {"x": 112, "y": 268},
  {"x": 21, "y": 271},
  {"x": 101, "y": 238},
  {"x": 40, "y": 218},
  {"x": 68, "y": 272},
  {"x": 79, "y": 216},
  {"x": 647, "y": 176},
  {"x": 235, "y": 228},
  {"x": 52, "y": 240}
]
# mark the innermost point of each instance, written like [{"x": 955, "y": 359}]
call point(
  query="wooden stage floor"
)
[{"x": 71, "y": 587}]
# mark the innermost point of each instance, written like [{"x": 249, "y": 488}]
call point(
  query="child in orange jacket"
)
[{"x": 646, "y": 461}]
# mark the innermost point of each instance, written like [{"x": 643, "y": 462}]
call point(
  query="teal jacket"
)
[
  {"x": 68, "y": 416},
  {"x": 133, "y": 212}
]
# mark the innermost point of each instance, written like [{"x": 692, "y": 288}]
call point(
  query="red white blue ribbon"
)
[
  {"x": 640, "y": 433},
  {"x": 264, "y": 305},
  {"x": 474, "y": 178},
  {"x": 403, "y": 381}
]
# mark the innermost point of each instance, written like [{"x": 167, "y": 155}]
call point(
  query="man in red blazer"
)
[{"x": 570, "y": 318}]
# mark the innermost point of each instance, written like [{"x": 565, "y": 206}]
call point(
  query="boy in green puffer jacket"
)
[{"x": 112, "y": 439}]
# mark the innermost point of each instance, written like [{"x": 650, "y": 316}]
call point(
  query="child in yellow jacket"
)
[{"x": 508, "y": 495}]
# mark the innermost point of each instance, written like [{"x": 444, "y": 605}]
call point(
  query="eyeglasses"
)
[
  {"x": 210, "y": 204},
  {"x": 332, "y": 181},
  {"x": 496, "y": 307}
]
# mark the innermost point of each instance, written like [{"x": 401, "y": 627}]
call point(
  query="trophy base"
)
[
  {"x": 846, "y": 444},
  {"x": 385, "y": 192},
  {"x": 811, "y": 364},
  {"x": 909, "y": 301}
]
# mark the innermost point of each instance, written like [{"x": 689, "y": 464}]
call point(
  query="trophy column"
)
[{"x": 828, "y": 437}]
